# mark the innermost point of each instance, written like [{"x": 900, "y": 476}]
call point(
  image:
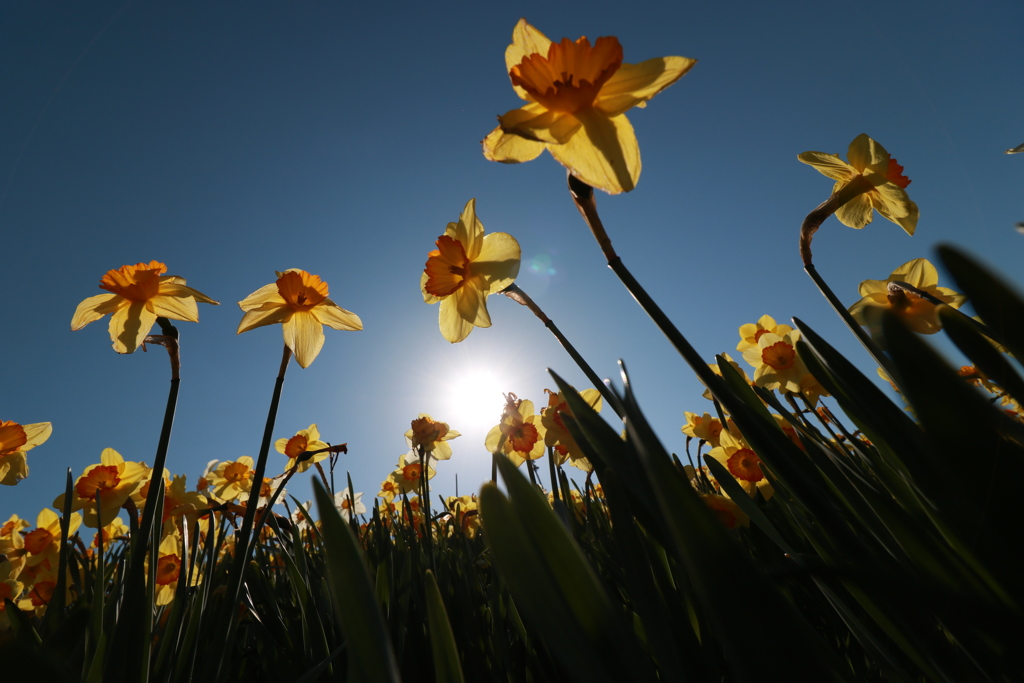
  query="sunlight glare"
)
[{"x": 475, "y": 400}]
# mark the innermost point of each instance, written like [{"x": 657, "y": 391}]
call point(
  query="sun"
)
[{"x": 475, "y": 400}]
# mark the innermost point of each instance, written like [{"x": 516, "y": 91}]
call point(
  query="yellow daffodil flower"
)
[
  {"x": 303, "y": 441},
  {"x": 464, "y": 270},
  {"x": 703, "y": 427},
  {"x": 577, "y": 97},
  {"x": 138, "y": 295},
  {"x": 112, "y": 481},
  {"x": 523, "y": 433},
  {"x": 432, "y": 436},
  {"x": 168, "y": 569},
  {"x": 407, "y": 477},
  {"x": 557, "y": 434},
  {"x": 15, "y": 440},
  {"x": 743, "y": 464},
  {"x": 917, "y": 312},
  {"x": 751, "y": 332},
  {"x": 299, "y": 302},
  {"x": 726, "y": 509},
  {"x": 888, "y": 197},
  {"x": 229, "y": 480}
]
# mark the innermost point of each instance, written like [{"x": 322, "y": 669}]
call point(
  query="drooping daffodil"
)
[
  {"x": 137, "y": 296},
  {"x": 464, "y": 270},
  {"x": 577, "y": 97},
  {"x": 297, "y": 300}
]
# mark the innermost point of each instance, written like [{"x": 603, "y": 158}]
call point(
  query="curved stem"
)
[{"x": 519, "y": 296}]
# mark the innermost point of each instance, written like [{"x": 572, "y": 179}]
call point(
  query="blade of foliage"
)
[{"x": 442, "y": 641}]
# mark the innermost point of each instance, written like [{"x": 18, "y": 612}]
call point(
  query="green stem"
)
[
  {"x": 519, "y": 296},
  {"x": 425, "y": 502}
]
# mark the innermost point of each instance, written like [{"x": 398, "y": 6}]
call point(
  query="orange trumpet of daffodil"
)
[
  {"x": 577, "y": 96},
  {"x": 138, "y": 295},
  {"x": 464, "y": 270},
  {"x": 888, "y": 196},
  {"x": 15, "y": 439},
  {"x": 297, "y": 300}
]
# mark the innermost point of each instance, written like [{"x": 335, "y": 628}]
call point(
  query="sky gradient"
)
[{"x": 230, "y": 140}]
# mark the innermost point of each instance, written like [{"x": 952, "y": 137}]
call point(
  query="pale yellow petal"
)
[
  {"x": 498, "y": 261},
  {"x": 908, "y": 222},
  {"x": 304, "y": 335},
  {"x": 94, "y": 308},
  {"x": 336, "y": 317},
  {"x": 829, "y": 165},
  {"x": 130, "y": 325},
  {"x": 111, "y": 457},
  {"x": 262, "y": 298},
  {"x": 865, "y": 152},
  {"x": 175, "y": 307},
  {"x": 17, "y": 468},
  {"x": 634, "y": 84},
  {"x": 855, "y": 213},
  {"x": 469, "y": 230},
  {"x": 177, "y": 288},
  {"x": 428, "y": 298},
  {"x": 871, "y": 287},
  {"x": 492, "y": 439},
  {"x": 509, "y": 148},
  {"x": 534, "y": 122},
  {"x": 453, "y": 327},
  {"x": 526, "y": 41},
  {"x": 258, "y": 318},
  {"x": 471, "y": 302},
  {"x": 36, "y": 434},
  {"x": 603, "y": 153},
  {"x": 919, "y": 273}
]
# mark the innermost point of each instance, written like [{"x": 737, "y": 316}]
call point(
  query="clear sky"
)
[{"x": 232, "y": 139}]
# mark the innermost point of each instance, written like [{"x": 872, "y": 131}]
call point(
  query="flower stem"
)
[
  {"x": 425, "y": 502},
  {"x": 519, "y": 296}
]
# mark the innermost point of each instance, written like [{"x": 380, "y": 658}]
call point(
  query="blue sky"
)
[{"x": 230, "y": 140}]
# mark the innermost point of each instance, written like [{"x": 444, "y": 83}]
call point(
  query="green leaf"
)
[{"x": 447, "y": 668}]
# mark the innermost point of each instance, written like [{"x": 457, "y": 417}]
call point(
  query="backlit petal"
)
[
  {"x": 262, "y": 297},
  {"x": 634, "y": 84},
  {"x": 920, "y": 273},
  {"x": 526, "y": 40},
  {"x": 17, "y": 468},
  {"x": 603, "y": 153},
  {"x": 469, "y": 230},
  {"x": 336, "y": 317},
  {"x": 509, "y": 148},
  {"x": 865, "y": 152},
  {"x": 130, "y": 325},
  {"x": 427, "y": 296},
  {"x": 94, "y": 308},
  {"x": 304, "y": 335},
  {"x": 111, "y": 457},
  {"x": 175, "y": 307},
  {"x": 855, "y": 213},
  {"x": 175, "y": 286},
  {"x": 35, "y": 434},
  {"x": 498, "y": 261},
  {"x": 259, "y": 318},
  {"x": 829, "y": 165},
  {"x": 907, "y": 222},
  {"x": 471, "y": 302},
  {"x": 534, "y": 122},
  {"x": 453, "y": 327}
]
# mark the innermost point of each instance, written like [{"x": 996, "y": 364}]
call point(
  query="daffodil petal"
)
[
  {"x": 870, "y": 287},
  {"x": 471, "y": 302},
  {"x": 865, "y": 152},
  {"x": 259, "y": 318},
  {"x": 336, "y": 317},
  {"x": 17, "y": 468},
  {"x": 304, "y": 335},
  {"x": 498, "y": 261},
  {"x": 177, "y": 288},
  {"x": 469, "y": 230},
  {"x": 94, "y": 308},
  {"x": 36, "y": 434},
  {"x": 509, "y": 148},
  {"x": 175, "y": 307},
  {"x": 453, "y": 327},
  {"x": 129, "y": 325},
  {"x": 526, "y": 41},
  {"x": 919, "y": 273},
  {"x": 907, "y": 222},
  {"x": 634, "y": 84},
  {"x": 111, "y": 457},
  {"x": 534, "y": 122},
  {"x": 603, "y": 153},
  {"x": 428, "y": 298},
  {"x": 855, "y": 213},
  {"x": 262, "y": 297},
  {"x": 829, "y": 165}
]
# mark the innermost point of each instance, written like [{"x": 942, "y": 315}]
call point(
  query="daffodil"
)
[
  {"x": 557, "y": 435},
  {"x": 408, "y": 476},
  {"x": 305, "y": 440},
  {"x": 168, "y": 569},
  {"x": 726, "y": 510},
  {"x": 577, "y": 97},
  {"x": 104, "y": 488},
  {"x": 751, "y": 332},
  {"x": 519, "y": 435},
  {"x": 743, "y": 464},
  {"x": 888, "y": 195},
  {"x": 229, "y": 480},
  {"x": 299, "y": 302},
  {"x": 349, "y": 505},
  {"x": 15, "y": 441},
  {"x": 464, "y": 270},
  {"x": 138, "y": 295},
  {"x": 917, "y": 312},
  {"x": 703, "y": 427},
  {"x": 779, "y": 367},
  {"x": 432, "y": 436}
]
